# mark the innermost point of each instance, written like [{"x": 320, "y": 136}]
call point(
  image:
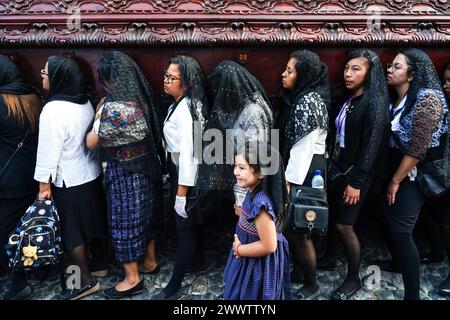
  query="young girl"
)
[{"x": 258, "y": 264}]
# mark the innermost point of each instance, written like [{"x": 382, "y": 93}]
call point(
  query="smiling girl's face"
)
[{"x": 245, "y": 174}]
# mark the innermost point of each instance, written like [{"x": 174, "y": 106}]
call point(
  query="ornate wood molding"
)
[{"x": 109, "y": 23}]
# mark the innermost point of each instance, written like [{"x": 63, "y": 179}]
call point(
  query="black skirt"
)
[{"x": 82, "y": 211}]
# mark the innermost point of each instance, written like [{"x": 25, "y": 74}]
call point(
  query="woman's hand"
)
[
  {"x": 237, "y": 210},
  {"x": 392, "y": 192},
  {"x": 45, "y": 191},
  {"x": 236, "y": 244},
  {"x": 351, "y": 195}
]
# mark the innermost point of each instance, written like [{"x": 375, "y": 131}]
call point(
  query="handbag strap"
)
[{"x": 19, "y": 146}]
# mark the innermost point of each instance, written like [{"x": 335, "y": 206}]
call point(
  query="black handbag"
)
[
  {"x": 307, "y": 210},
  {"x": 429, "y": 186}
]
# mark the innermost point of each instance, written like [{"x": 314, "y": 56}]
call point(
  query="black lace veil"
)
[
  {"x": 376, "y": 98},
  {"x": 309, "y": 103},
  {"x": 241, "y": 107},
  {"x": 125, "y": 81},
  {"x": 423, "y": 131}
]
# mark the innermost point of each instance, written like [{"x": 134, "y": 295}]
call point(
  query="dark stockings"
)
[
  {"x": 304, "y": 255},
  {"x": 353, "y": 253},
  {"x": 185, "y": 255},
  {"x": 78, "y": 256}
]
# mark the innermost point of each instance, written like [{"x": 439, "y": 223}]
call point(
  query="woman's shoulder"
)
[
  {"x": 310, "y": 98},
  {"x": 429, "y": 95}
]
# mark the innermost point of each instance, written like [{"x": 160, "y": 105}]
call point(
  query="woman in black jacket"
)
[
  {"x": 360, "y": 127},
  {"x": 19, "y": 116}
]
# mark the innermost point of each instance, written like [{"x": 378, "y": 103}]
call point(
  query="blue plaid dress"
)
[{"x": 261, "y": 278}]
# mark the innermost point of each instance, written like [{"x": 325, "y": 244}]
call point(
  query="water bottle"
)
[{"x": 317, "y": 181}]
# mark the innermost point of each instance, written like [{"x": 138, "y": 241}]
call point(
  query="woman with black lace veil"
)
[
  {"x": 418, "y": 144},
  {"x": 241, "y": 106},
  {"x": 185, "y": 82},
  {"x": 361, "y": 126},
  {"x": 127, "y": 132},
  {"x": 303, "y": 125}
]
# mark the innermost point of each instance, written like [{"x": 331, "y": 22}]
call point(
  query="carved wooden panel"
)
[{"x": 109, "y": 23}]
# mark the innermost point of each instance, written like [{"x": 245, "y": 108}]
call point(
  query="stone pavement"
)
[{"x": 209, "y": 286}]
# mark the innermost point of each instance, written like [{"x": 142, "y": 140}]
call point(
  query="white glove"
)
[{"x": 180, "y": 206}]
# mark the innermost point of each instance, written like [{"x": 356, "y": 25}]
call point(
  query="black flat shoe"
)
[
  {"x": 76, "y": 294},
  {"x": 154, "y": 271},
  {"x": 112, "y": 293},
  {"x": 340, "y": 294}
]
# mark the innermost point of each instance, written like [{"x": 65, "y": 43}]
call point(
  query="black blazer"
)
[{"x": 357, "y": 139}]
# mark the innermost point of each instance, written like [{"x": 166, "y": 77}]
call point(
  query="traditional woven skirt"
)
[{"x": 133, "y": 211}]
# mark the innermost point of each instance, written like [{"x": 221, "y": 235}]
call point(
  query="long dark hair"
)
[
  {"x": 363, "y": 53},
  {"x": 273, "y": 185}
]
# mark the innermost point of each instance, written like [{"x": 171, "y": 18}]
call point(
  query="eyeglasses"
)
[
  {"x": 394, "y": 66},
  {"x": 44, "y": 73},
  {"x": 170, "y": 79}
]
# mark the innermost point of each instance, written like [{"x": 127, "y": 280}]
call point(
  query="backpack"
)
[{"x": 36, "y": 241}]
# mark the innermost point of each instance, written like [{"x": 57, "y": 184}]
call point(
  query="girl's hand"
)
[
  {"x": 237, "y": 210},
  {"x": 236, "y": 244},
  {"x": 392, "y": 192},
  {"x": 351, "y": 195}
]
